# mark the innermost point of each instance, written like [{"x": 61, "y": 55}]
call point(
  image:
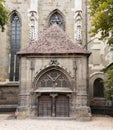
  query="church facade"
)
[
  {"x": 50, "y": 71},
  {"x": 45, "y": 60}
]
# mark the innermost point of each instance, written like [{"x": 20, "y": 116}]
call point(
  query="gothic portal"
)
[{"x": 53, "y": 77}]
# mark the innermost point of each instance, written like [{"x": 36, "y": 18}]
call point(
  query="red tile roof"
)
[{"x": 53, "y": 41}]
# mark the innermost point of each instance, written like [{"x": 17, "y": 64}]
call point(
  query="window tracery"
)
[
  {"x": 58, "y": 19},
  {"x": 15, "y": 46},
  {"x": 53, "y": 78}
]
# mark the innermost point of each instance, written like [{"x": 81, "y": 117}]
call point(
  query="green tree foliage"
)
[
  {"x": 109, "y": 83},
  {"x": 3, "y": 15},
  {"x": 101, "y": 12}
]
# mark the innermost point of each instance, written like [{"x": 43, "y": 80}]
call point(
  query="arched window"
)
[
  {"x": 58, "y": 19},
  {"x": 15, "y": 46},
  {"x": 98, "y": 88},
  {"x": 53, "y": 78}
]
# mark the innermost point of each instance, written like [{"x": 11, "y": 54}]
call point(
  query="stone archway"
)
[
  {"x": 98, "y": 88},
  {"x": 54, "y": 88},
  {"x": 53, "y": 79}
]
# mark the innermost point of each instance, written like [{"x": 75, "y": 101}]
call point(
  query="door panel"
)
[
  {"x": 44, "y": 108},
  {"x": 62, "y": 106}
]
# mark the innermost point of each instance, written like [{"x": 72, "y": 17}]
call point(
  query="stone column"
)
[
  {"x": 74, "y": 86},
  {"x": 71, "y": 105},
  {"x": 33, "y": 95},
  {"x": 82, "y": 109},
  {"x": 53, "y": 103},
  {"x": 24, "y": 95}
]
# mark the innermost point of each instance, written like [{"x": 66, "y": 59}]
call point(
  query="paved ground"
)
[{"x": 97, "y": 123}]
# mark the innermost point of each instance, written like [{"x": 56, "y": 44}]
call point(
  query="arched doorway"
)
[
  {"x": 98, "y": 87},
  {"x": 54, "y": 88}
]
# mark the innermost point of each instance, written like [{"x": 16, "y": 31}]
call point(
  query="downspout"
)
[
  {"x": 87, "y": 64},
  {"x": 86, "y": 21}
]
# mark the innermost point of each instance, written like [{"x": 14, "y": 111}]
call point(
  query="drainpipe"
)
[{"x": 86, "y": 21}]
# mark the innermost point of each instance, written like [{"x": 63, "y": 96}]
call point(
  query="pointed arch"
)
[
  {"x": 13, "y": 13},
  {"x": 55, "y": 77},
  {"x": 15, "y": 40},
  {"x": 56, "y": 16}
]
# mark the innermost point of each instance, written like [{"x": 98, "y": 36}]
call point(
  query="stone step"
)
[{"x": 7, "y": 116}]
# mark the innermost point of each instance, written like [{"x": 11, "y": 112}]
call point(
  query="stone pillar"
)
[
  {"x": 53, "y": 103},
  {"x": 71, "y": 105},
  {"x": 82, "y": 109},
  {"x": 24, "y": 95},
  {"x": 73, "y": 95},
  {"x": 33, "y": 105}
]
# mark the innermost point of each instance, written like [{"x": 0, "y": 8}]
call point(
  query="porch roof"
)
[{"x": 53, "y": 41}]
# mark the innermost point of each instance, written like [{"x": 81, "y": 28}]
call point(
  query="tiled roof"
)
[{"x": 53, "y": 41}]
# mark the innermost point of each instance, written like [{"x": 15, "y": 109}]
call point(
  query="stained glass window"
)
[
  {"x": 15, "y": 46},
  {"x": 58, "y": 19},
  {"x": 53, "y": 78}
]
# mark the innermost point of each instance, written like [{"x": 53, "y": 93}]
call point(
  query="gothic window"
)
[
  {"x": 14, "y": 47},
  {"x": 98, "y": 88},
  {"x": 53, "y": 78},
  {"x": 58, "y": 19}
]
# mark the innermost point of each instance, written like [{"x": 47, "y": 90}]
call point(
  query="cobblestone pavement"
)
[{"x": 97, "y": 123}]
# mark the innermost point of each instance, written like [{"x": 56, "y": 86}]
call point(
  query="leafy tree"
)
[
  {"x": 3, "y": 15},
  {"x": 101, "y": 12},
  {"x": 109, "y": 83}
]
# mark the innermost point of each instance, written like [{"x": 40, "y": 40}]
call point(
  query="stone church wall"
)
[
  {"x": 45, "y": 9},
  {"x": 8, "y": 97}
]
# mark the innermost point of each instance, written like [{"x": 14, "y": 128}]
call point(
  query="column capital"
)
[{"x": 53, "y": 95}]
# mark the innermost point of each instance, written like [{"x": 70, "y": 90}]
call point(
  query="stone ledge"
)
[
  {"x": 9, "y": 84},
  {"x": 8, "y": 106}
]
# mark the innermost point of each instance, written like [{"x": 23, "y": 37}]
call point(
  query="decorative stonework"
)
[
  {"x": 78, "y": 21},
  {"x": 54, "y": 62},
  {"x": 33, "y": 16},
  {"x": 78, "y": 26},
  {"x": 53, "y": 79}
]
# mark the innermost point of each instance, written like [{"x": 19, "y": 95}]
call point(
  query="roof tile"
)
[{"x": 53, "y": 41}]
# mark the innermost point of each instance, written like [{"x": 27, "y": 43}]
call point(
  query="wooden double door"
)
[{"x": 49, "y": 106}]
